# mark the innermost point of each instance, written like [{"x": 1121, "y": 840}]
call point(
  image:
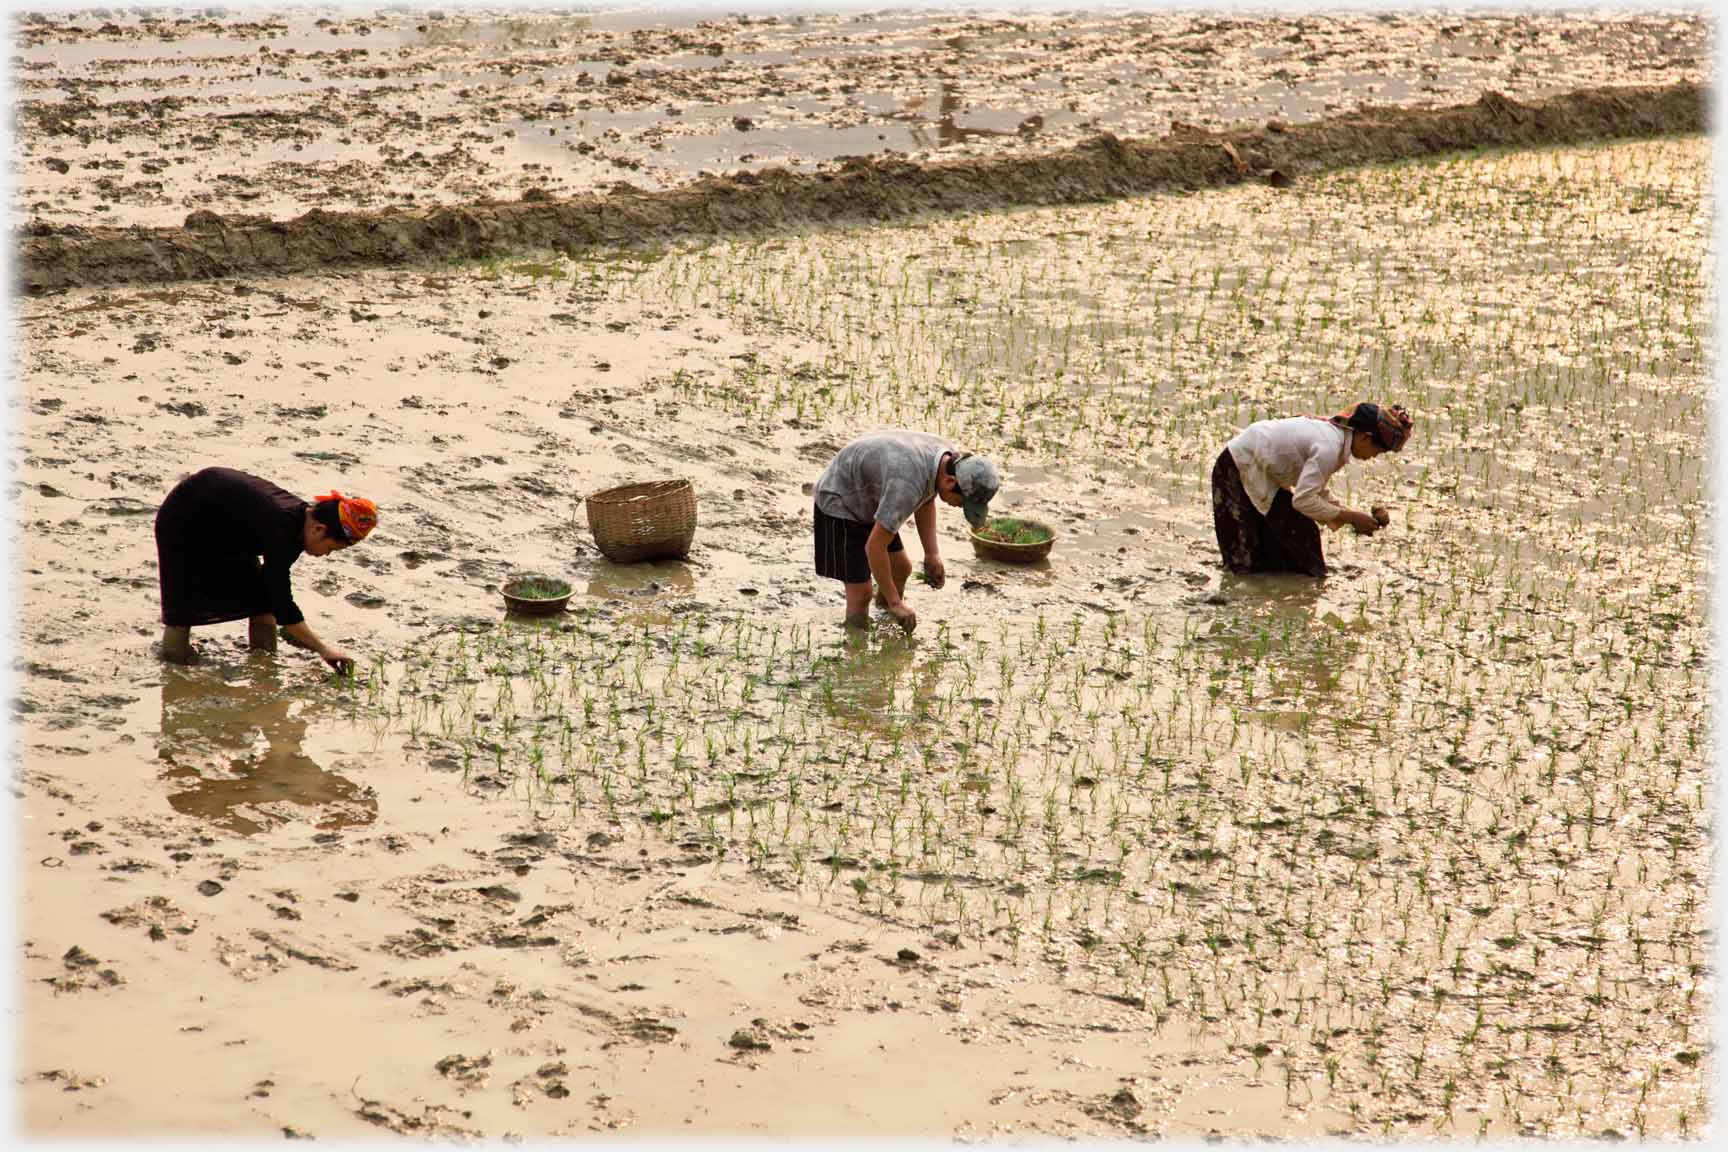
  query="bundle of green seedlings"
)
[
  {"x": 1433, "y": 850},
  {"x": 538, "y": 588},
  {"x": 1009, "y": 530}
]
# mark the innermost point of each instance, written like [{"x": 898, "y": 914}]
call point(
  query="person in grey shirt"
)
[{"x": 872, "y": 487}]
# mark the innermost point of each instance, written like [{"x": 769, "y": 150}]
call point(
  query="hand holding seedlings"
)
[
  {"x": 301, "y": 636},
  {"x": 935, "y": 573},
  {"x": 1381, "y": 516}
]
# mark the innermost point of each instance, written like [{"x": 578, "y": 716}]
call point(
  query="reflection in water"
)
[
  {"x": 642, "y": 581},
  {"x": 948, "y": 133},
  {"x": 1270, "y": 628},
  {"x": 233, "y": 756},
  {"x": 861, "y": 687},
  {"x": 647, "y": 586}
]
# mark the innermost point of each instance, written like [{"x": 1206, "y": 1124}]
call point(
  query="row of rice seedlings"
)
[
  {"x": 1543, "y": 312},
  {"x": 1158, "y": 813},
  {"x": 1440, "y": 863}
]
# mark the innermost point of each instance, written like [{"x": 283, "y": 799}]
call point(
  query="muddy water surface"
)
[
  {"x": 1417, "y": 850},
  {"x": 1109, "y": 846},
  {"x": 248, "y": 822},
  {"x": 129, "y": 118}
]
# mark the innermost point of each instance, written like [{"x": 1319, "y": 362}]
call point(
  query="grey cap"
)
[{"x": 977, "y": 480}]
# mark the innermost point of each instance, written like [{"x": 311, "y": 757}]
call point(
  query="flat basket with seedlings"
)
[
  {"x": 1013, "y": 540},
  {"x": 536, "y": 595}
]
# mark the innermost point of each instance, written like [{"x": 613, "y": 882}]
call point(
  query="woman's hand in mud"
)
[
  {"x": 903, "y": 616},
  {"x": 340, "y": 662},
  {"x": 1381, "y": 516},
  {"x": 1364, "y": 524},
  {"x": 935, "y": 571}
]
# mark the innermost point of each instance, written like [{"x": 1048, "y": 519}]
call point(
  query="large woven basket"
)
[{"x": 643, "y": 521}]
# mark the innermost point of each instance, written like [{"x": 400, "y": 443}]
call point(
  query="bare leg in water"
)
[
  {"x": 177, "y": 645},
  {"x": 261, "y": 633}
]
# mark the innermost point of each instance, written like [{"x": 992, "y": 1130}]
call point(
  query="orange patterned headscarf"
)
[{"x": 357, "y": 514}]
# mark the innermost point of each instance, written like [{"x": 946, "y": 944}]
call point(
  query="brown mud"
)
[
  {"x": 247, "y": 911},
  {"x": 257, "y": 902},
  {"x": 140, "y": 118},
  {"x": 1174, "y": 876},
  {"x": 861, "y": 190}
]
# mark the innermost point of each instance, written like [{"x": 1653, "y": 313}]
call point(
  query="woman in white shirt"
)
[{"x": 1269, "y": 485}]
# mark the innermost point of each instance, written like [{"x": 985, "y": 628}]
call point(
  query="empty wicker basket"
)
[{"x": 643, "y": 521}]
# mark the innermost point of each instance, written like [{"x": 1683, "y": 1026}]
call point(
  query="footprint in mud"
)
[
  {"x": 434, "y": 1120},
  {"x": 747, "y": 1040},
  {"x": 70, "y": 1081},
  {"x": 648, "y": 1029},
  {"x": 83, "y": 972},
  {"x": 120, "y": 506},
  {"x": 469, "y": 1071},
  {"x": 547, "y": 1080}
]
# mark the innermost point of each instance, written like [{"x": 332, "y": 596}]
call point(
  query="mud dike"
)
[{"x": 860, "y": 190}]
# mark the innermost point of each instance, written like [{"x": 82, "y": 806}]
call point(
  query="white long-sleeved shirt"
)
[{"x": 1299, "y": 453}]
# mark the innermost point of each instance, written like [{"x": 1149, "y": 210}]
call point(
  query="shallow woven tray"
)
[
  {"x": 1015, "y": 553},
  {"x": 643, "y": 521}
]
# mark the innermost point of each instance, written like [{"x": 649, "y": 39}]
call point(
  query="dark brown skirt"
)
[
  {"x": 1282, "y": 540},
  {"x": 203, "y": 586},
  {"x": 840, "y": 548},
  {"x": 225, "y": 541}
]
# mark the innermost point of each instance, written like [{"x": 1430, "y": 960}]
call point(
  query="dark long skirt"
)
[
  {"x": 1282, "y": 540},
  {"x": 225, "y": 541},
  {"x": 203, "y": 586}
]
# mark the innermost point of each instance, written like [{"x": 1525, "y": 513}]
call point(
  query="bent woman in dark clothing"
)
[{"x": 224, "y": 543}]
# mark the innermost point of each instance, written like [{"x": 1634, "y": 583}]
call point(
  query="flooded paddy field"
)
[
  {"x": 1114, "y": 845},
  {"x": 130, "y": 116}
]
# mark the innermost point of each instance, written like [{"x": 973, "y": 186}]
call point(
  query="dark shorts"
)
[
  {"x": 840, "y": 548},
  {"x": 1282, "y": 540}
]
